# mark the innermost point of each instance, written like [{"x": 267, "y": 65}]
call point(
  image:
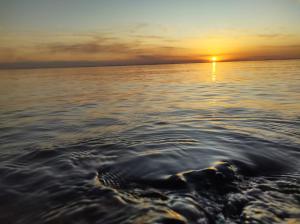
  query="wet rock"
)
[
  {"x": 217, "y": 194},
  {"x": 225, "y": 171},
  {"x": 174, "y": 182},
  {"x": 171, "y": 221},
  {"x": 190, "y": 210},
  {"x": 269, "y": 204},
  {"x": 160, "y": 216},
  {"x": 153, "y": 194},
  {"x": 218, "y": 177},
  {"x": 235, "y": 204}
]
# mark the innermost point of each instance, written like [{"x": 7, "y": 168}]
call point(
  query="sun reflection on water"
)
[{"x": 214, "y": 71}]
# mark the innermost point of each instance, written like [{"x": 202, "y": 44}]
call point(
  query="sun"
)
[{"x": 214, "y": 58}]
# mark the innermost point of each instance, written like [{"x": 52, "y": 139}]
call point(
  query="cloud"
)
[
  {"x": 97, "y": 50},
  {"x": 273, "y": 35},
  {"x": 151, "y": 59},
  {"x": 89, "y": 48},
  {"x": 291, "y": 48},
  {"x": 138, "y": 45},
  {"x": 150, "y": 37},
  {"x": 142, "y": 27}
]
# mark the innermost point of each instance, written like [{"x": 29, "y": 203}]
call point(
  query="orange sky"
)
[{"x": 70, "y": 33}]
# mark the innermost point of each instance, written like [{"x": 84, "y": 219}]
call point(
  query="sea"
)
[{"x": 165, "y": 144}]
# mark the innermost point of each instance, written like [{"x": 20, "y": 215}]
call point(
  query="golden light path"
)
[{"x": 213, "y": 72}]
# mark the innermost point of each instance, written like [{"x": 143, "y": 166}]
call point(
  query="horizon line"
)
[{"x": 93, "y": 64}]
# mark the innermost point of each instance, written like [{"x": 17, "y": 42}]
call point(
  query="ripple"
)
[{"x": 151, "y": 144}]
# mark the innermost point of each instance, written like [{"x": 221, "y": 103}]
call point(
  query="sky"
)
[{"x": 62, "y": 33}]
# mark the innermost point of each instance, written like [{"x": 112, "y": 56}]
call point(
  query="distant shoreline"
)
[{"x": 93, "y": 64}]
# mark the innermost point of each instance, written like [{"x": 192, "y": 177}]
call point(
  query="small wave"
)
[{"x": 217, "y": 193}]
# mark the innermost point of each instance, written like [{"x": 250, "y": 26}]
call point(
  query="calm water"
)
[{"x": 193, "y": 143}]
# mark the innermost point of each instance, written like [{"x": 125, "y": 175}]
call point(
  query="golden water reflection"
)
[
  {"x": 101, "y": 92},
  {"x": 214, "y": 71}
]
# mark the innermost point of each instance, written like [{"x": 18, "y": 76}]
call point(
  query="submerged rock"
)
[
  {"x": 217, "y": 194},
  {"x": 220, "y": 173}
]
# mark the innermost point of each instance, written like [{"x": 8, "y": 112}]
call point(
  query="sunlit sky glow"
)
[{"x": 41, "y": 33}]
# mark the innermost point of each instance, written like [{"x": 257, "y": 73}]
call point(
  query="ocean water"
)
[{"x": 191, "y": 143}]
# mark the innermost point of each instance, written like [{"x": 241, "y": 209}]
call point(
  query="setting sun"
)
[{"x": 214, "y": 58}]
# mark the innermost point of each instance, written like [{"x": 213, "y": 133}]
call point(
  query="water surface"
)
[{"x": 191, "y": 143}]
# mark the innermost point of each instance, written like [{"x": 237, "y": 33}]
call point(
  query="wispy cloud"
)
[
  {"x": 273, "y": 35},
  {"x": 135, "y": 45},
  {"x": 295, "y": 47},
  {"x": 89, "y": 48},
  {"x": 99, "y": 50}
]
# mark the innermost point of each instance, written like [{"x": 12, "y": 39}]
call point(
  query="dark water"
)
[{"x": 172, "y": 144}]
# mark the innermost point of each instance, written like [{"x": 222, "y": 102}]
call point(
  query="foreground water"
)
[{"x": 193, "y": 143}]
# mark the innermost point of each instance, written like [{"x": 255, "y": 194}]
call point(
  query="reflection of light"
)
[{"x": 214, "y": 71}]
